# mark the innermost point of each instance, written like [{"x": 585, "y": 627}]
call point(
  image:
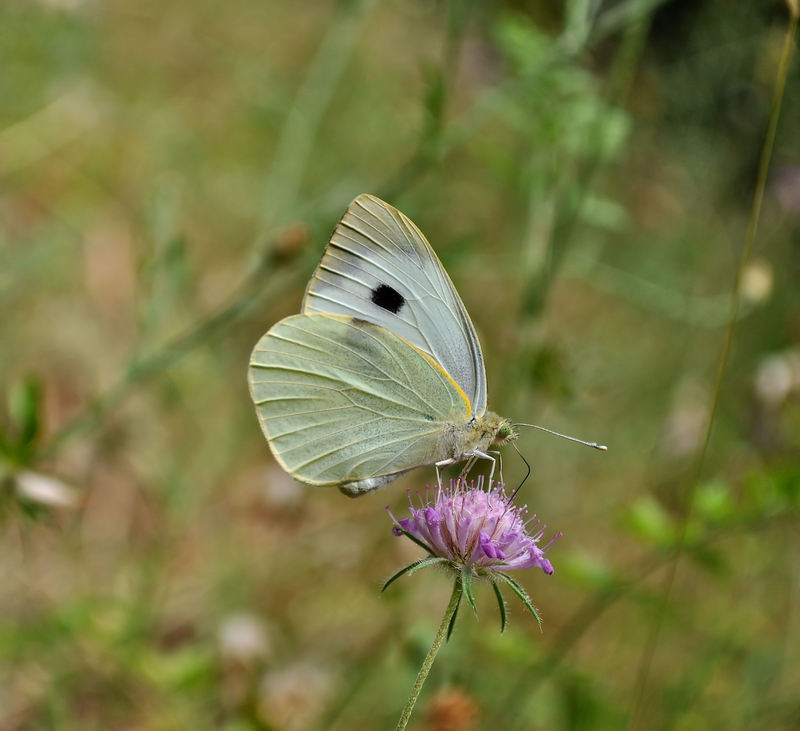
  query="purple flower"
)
[
  {"x": 481, "y": 530},
  {"x": 476, "y": 533}
]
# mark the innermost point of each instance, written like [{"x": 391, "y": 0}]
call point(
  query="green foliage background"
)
[{"x": 169, "y": 174}]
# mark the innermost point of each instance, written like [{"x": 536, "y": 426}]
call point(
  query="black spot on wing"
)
[{"x": 389, "y": 298}]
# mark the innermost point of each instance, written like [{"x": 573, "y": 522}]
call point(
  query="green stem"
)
[{"x": 431, "y": 656}]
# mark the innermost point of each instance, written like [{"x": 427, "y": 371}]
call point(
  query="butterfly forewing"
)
[
  {"x": 379, "y": 267},
  {"x": 343, "y": 400}
]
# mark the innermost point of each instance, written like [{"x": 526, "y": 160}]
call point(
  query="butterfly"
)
[{"x": 382, "y": 371}]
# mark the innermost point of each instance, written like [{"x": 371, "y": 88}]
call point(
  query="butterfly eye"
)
[{"x": 389, "y": 298}]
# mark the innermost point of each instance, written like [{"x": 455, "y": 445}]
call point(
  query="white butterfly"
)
[{"x": 382, "y": 372}]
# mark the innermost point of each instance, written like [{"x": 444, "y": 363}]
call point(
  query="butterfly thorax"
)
[{"x": 477, "y": 435}]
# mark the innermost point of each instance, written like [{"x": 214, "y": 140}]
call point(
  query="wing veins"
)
[
  {"x": 384, "y": 445},
  {"x": 337, "y": 448},
  {"x": 397, "y": 277},
  {"x": 388, "y": 376}
]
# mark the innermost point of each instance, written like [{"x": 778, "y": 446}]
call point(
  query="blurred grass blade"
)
[{"x": 25, "y": 406}]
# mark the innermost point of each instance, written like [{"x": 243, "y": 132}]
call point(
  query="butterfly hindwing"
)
[
  {"x": 342, "y": 400},
  {"x": 379, "y": 267}
]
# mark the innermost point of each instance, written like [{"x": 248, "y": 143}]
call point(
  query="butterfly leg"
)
[
  {"x": 470, "y": 463},
  {"x": 438, "y": 466},
  {"x": 483, "y": 455},
  {"x": 499, "y": 458}
]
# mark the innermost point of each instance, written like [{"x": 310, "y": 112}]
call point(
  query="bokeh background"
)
[{"x": 586, "y": 170}]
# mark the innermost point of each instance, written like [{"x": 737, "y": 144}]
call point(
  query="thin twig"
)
[
  {"x": 273, "y": 260},
  {"x": 637, "y": 712},
  {"x": 313, "y": 99}
]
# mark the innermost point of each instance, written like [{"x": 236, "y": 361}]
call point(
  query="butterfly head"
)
[
  {"x": 498, "y": 429},
  {"x": 506, "y": 432}
]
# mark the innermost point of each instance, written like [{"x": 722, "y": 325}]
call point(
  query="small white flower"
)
[{"x": 242, "y": 638}]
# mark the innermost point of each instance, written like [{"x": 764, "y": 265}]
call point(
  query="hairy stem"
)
[{"x": 431, "y": 656}]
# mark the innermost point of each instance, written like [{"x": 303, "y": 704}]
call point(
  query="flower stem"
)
[{"x": 431, "y": 656}]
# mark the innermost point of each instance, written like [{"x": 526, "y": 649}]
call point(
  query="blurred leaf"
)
[
  {"x": 712, "y": 502},
  {"x": 648, "y": 520},
  {"x": 545, "y": 369},
  {"x": 578, "y": 16},
  {"x": 586, "y": 570},
  {"x": 434, "y": 105},
  {"x": 24, "y": 407},
  {"x": 525, "y": 46},
  {"x": 6, "y": 448},
  {"x": 586, "y": 703},
  {"x": 603, "y": 213},
  {"x": 709, "y": 558},
  {"x": 773, "y": 492},
  {"x": 182, "y": 669}
]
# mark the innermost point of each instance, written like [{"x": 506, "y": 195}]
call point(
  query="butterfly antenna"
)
[
  {"x": 593, "y": 445},
  {"x": 527, "y": 474}
]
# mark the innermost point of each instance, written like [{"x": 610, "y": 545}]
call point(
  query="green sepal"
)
[
  {"x": 452, "y": 624},
  {"x": 502, "y": 605},
  {"x": 466, "y": 587},
  {"x": 522, "y": 594},
  {"x": 412, "y": 568},
  {"x": 416, "y": 540}
]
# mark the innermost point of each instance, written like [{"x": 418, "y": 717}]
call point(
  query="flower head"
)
[
  {"x": 475, "y": 533},
  {"x": 476, "y": 528}
]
